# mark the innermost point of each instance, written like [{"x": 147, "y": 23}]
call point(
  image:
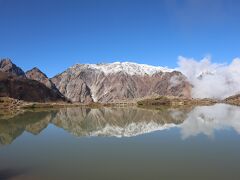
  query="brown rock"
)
[
  {"x": 7, "y": 66},
  {"x": 38, "y": 75},
  {"x": 26, "y": 89},
  {"x": 76, "y": 90},
  {"x": 120, "y": 85}
]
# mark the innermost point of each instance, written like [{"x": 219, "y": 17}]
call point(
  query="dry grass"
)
[{"x": 174, "y": 102}]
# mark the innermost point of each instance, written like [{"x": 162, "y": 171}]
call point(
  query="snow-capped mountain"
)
[
  {"x": 119, "y": 81},
  {"x": 203, "y": 74},
  {"x": 124, "y": 67}
]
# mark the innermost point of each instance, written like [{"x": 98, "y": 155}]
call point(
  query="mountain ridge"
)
[
  {"x": 37, "y": 75},
  {"x": 121, "y": 81},
  {"x": 131, "y": 68},
  {"x": 14, "y": 83},
  {"x": 109, "y": 82},
  {"x": 102, "y": 83},
  {"x": 7, "y": 66}
]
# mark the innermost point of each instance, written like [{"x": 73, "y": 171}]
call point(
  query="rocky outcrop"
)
[
  {"x": 26, "y": 89},
  {"x": 34, "y": 87},
  {"x": 76, "y": 89},
  {"x": 7, "y": 66},
  {"x": 120, "y": 81},
  {"x": 38, "y": 75}
]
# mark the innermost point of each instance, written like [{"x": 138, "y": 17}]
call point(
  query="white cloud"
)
[{"x": 211, "y": 80}]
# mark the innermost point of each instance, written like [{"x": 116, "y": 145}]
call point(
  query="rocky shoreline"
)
[
  {"x": 10, "y": 107},
  {"x": 10, "y": 104}
]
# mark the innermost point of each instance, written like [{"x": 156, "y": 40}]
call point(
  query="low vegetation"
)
[{"x": 171, "y": 101}]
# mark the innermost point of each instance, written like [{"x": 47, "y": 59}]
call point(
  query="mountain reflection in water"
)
[{"x": 123, "y": 122}]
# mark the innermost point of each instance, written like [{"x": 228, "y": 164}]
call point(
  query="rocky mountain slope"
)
[
  {"x": 26, "y": 89},
  {"x": 37, "y": 75},
  {"x": 120, "y": 81},
  {"x": 15, "y": 84},
  {"x": 7, "y": 66},
  {"x": 88, "y": 83}
]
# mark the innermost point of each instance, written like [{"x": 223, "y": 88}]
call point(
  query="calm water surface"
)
[{"x": 122, "y": 143}]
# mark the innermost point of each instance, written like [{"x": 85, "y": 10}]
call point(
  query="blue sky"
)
[{"x": 55, "y": 34}]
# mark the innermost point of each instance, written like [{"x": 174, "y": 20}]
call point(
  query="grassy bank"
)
[{"x": 170, "y": 101}]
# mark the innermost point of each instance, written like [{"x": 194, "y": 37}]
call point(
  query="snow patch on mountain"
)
[{"x": 125, "y": 67}]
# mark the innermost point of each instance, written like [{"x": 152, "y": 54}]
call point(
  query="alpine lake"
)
[{"x": 119, "y": 143}]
